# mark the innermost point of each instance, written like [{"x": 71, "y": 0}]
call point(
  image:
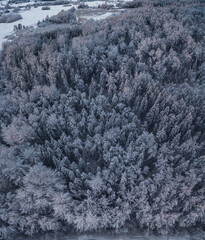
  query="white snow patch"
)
[
  {"x": 103, "y": 16},
  {"x": 94, "y": 3}
]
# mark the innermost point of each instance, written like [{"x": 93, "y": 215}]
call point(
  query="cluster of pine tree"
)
[{"x": 102, "y": 124}]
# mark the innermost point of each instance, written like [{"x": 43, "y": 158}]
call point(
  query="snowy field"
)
[
  {"x": 96, "y": 14},
  {"x": 32, "y": 16}
]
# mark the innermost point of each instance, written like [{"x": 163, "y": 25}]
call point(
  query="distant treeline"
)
[
  {"x": 157, "y": 3},
  {"x": 102, "y": 124}
]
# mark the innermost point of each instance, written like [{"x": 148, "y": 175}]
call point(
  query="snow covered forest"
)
[{"x": 102, "y": 124}]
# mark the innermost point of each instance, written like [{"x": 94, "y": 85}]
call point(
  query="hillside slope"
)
[{"x": 102, "y": 124}]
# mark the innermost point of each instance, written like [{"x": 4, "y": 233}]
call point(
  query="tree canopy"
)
[{"x": 102, "y": 123}]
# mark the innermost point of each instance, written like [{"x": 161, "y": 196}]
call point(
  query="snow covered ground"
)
[
  {"x": 96, "y": 14},
  {"x": 94, "y": 3},
  {"x": 3, "y": 2},
  {"x": 103, "y": 16}
]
